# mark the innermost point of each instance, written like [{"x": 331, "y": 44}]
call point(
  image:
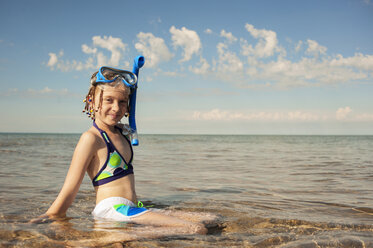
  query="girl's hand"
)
[
  {"x": 47, "y": 218},
  {"x": 41, "y": 219}
]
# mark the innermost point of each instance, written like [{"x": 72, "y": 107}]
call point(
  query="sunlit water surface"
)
[{"x": 285, "y": 191}]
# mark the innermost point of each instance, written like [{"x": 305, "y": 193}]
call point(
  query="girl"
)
[{"x": 106, "y": 155}]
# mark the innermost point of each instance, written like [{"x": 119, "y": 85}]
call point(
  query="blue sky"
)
[{"x": 214, "y": 67}]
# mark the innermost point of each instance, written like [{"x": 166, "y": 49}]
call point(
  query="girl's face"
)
[{"x": 114, "y": 105}]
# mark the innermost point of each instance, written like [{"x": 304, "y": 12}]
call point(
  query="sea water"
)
[{"x": 285, "y": 191}]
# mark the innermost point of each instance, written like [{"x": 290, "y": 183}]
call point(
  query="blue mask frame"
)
[{"x": 128, "y": 78}]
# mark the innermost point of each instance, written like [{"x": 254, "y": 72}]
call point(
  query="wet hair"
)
[{"x": 98, "y": 88}]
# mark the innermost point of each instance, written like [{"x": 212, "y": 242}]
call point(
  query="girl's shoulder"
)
[{"x": 91, "y": 137}]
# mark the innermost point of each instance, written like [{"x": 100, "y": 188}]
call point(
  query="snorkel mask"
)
[{"x": 128, "y": 78}]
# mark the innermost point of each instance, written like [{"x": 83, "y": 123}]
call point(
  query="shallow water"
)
[{"x": 281, "y": 191}]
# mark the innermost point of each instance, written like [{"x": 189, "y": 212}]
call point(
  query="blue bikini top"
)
[{"x": 115, "y": 166}]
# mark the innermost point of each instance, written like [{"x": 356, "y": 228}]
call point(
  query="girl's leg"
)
[
  {"x": 159, "y": 219},
  {"x": 195, "y": 217}
]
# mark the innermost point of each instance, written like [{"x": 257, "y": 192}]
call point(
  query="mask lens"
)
[{"x": 129, "y": 78}]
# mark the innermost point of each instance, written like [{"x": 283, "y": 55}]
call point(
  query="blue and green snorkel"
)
[{"x": 138, "y": 63}]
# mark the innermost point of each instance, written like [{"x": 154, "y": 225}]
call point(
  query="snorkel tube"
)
[{"x": 138, "y": 63}]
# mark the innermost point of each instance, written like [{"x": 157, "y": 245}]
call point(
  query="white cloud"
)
[
  {"x": 65, "y": 65},
  {"x": 112, "y": 44},
  {"x": 9, "y": 92},
  {"x": 311, "y": 71},
  {"x": 228, "y": 35},
  {"x": 364, "y": 117},
  {"x": 47, "y": 91},
  {"x": 302, "y": 116},
  {"x": 186, "y": 39},
  {"x": 208, "y": 31},
  {"x": 342, "y": 113},
  {"x": 155, "y": 21},
  {"x": 35, "y": 93},
  {"x": 358, "y": 61},
  {"x": 318, "y": 70},
  {"x": 298, "y": 46},
  {"x": 285, "y": 73},
  {"x": 267, "y": 43},
  {"x": 153, "y": 48},
  {"x": 168, "y": 73},
  {"x": 86, "y": 49},
  {"x": 148, "y": 79},
  {"x": 201, "y": 68},
  {"x": 53, "y": 59},
  {"x": 225, "y": 115},
  {"x": 228, "y": 62},
  {"x": 172, "y": 73},
  {"x": 262, "y": 63},
  {"x": 315, "y": 49}
]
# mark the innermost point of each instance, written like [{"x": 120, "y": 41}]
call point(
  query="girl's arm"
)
[{"x": 82, "y": 157}]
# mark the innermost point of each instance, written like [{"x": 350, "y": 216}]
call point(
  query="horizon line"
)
[{"x": 204, "y": 134}]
